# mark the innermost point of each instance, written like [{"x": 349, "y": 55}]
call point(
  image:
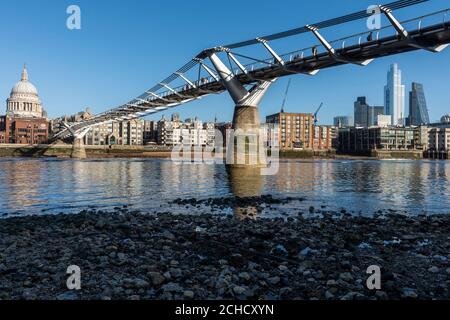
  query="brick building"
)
[
  {"x": 325, "y": 137},
  {"x": 296, "y": 129},
  {"x": 18, "y": 130}
]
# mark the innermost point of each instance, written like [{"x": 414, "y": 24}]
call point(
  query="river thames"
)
[{"x": 51, "y": 186}]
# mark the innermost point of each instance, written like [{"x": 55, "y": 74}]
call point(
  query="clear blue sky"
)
[{"x": 125, "y": 47}]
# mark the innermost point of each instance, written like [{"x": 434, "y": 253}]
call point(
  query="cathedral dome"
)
[
  {"x": 24, "y": 99},
  {"x": 24, "y": 87}
]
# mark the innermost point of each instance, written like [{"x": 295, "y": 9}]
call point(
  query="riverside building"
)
[
  {"x": 383, "y": 139},
  {"x": 125, "y": 133},
  {"x": 191, "y": 132},
  {"x": 296, "y": 129}
]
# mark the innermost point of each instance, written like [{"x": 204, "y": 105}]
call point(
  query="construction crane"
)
[
  {"x": 316, "y": 113},
  {"x": 285, "y": 96}
]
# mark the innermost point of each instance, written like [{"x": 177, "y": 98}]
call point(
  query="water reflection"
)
[
  {"x": 22, "y": 184},
  {"x": 245, "y": 182},
  {"x": 56, "y": 185}
]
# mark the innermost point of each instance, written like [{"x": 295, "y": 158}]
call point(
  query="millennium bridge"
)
[{"x": 247, "y": 69}]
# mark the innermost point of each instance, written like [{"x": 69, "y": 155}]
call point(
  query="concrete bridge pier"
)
[
  {"x": 245, "y": 151},
  {"x": 78, "y": 149}
]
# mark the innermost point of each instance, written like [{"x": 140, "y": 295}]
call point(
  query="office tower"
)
[
  {"x": 394, "y": 96},
  {"x": 365, "y": 115},
  {"x": 343, "y": 121},
  {"x": 418, "y": 111},
  {"x": 372, "y": 115},
  {"x": 361, "y": 110}
]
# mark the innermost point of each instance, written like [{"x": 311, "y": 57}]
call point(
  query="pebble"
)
[
  {"x": 409, "y": 293},
  {"x": 69, "y": 295},
  {"x": 239, "y": 290},
  {"x": 244, "y": 275},
  {"x": 433, "y": 269},
  {"x": 331, "y": 283},
  {"x": 346, "y": 276},
  {"x": 172, "y": 287},
  {"x": 283, "y": 268},
  {"x": 381, "y": 295},
  {"x": 156, "y": 278},
  {"x": 135, "y": 283},
  {"x": 273, "y": 280}
]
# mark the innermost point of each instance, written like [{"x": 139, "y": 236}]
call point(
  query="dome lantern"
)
[{"x": 25, "y": 73}]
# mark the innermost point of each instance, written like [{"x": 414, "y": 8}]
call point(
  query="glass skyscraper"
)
[
  {"x": 418, "y": 111},
  {"x": 365, "y": 115},
  {"x": 343, "y": 121},
  {"x": 394, "y": 96},
  {"x": 361, "y": 110}
]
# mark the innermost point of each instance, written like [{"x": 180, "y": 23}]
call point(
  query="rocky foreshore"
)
[{"x": 129, "y": 255}]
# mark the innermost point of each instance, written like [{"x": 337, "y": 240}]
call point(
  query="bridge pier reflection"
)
[{"x": 245, "y": 182}]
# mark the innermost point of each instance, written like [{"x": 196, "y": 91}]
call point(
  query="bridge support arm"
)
[
  {"x": 322, "y": 40},
  {"x": 395, "y": 23},
  {"x": 238, "y": 63},
  {"x": 240, "y": 95},
  {"x": 157, "y": 96},
  {"x": 212, "y": 74},
  {"x": 236, "y": 90},
  {"x": 165, "y": 85},
  {"x": 405, "y": 35},
  {"x": 189, "y": 82},
  {"x": 332, "y": 51},
  {"x": 271, "y": 51}
]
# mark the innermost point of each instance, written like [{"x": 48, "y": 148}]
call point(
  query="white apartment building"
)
[
  {"x": 190, "y": 132},
  {"x": 127, "y": 133},
  {"x": 439, "y": 139}
]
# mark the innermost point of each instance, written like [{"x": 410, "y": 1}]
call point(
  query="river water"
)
[{"x": 51, "y": 186}]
